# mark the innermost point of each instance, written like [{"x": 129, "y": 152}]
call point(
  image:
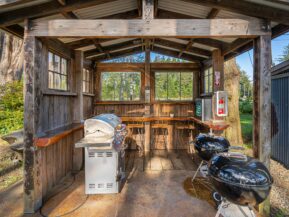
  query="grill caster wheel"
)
[{"x": 217, "y": 198}]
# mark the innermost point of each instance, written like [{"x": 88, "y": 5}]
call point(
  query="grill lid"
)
[
  {"x": 101, "y": 126},
  {"x": 239, "y": 170},
  {"x": 208, "y": 145}
]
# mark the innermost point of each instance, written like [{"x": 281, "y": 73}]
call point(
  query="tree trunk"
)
[
  {"x": 11, "y": 58},
  {"x": 232, "y": 83}
]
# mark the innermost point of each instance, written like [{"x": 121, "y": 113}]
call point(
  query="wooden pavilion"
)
[{"x": 81, "y": 34}]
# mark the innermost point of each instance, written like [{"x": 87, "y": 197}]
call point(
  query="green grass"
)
[{"x": 247, "y": 129}]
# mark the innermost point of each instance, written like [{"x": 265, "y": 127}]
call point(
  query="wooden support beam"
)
[
  {"x": 175, "y": 54},
  {"x": 100, "y": 48},
  {"x": 178, "y": 46},
  {"x": 133, "y": 14},
  {"x": 247, "y": 8},
  {"x": 210, "y": 42},
  {"x": 69, "y": 15},
  {"x": 164, "y": 14},
  {"x": 115, "y": 47},
  {"x": 262, "y": 106},
  {"x": 153, "y": 66},
  {"x": 32, "y": 99},
  {"x": 118, "y": 54},
  {"x": 139, "y": 7},
  {"x": 156, "y": 5},
  {"x": 9, "y": 3},
  {"x": 189, "y": 44},
  {"x": 62, "y": 2},
  {"x": 170, "y": 44},
  {"x": 213, "y": 13},
  {"x": 242, "y": 45},
  {"x": 198, "y": 28},
  {"x": 45, "y": 9}
]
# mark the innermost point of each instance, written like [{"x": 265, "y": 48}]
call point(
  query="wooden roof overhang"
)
[{"x": 184, "y": 13}]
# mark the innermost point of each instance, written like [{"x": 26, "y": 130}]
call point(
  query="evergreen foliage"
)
[
  {"x": 11, "y": 107},
  {"x": 285, "y": 55},
  {"x": 125, "y": 86}
]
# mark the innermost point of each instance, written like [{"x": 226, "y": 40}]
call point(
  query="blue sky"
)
[{"x": 244, "y": 60}]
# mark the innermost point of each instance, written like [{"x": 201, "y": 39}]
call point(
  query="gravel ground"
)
[{"x": 280, "y": 190}]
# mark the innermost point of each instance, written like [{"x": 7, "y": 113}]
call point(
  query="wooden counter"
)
[
  {"x": 208, "y": 124},
  {"x": 53, "y": 136}
]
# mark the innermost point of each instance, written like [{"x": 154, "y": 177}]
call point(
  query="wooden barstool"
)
[
  {"x": 161, "y": 127},
  {"x": 139, "y": 126},
  {"x": 180, "y": 129}
]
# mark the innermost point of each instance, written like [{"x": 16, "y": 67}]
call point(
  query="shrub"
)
[
  {"x": 246, "y": 107},
  {"x": 11, "y": 107}
]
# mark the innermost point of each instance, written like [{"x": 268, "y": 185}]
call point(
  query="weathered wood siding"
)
[
  {"x": 87, "y": 106},
  {"x": 57, "y": 161},
  {"x": 57, "y": 110}
]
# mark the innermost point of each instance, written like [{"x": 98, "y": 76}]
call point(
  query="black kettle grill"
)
[
  {"x": 207, "y": 145},
  {"x": 240, "y": 179}
]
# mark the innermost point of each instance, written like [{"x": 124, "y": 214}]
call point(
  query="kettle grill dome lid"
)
[
  {"x": 212, "y": 143},
  {"x": 244, "y": 171}
]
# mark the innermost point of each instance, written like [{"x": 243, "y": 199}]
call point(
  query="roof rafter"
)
[
  {"x": 115, "y": 47},
  {"x": 174, "y": 54},
  {"x": 242, "y": 45},
  {"x": 246, "y": 8},
  {"x": 123, "y": 53},
  {"x": 213, "y": 13},
  {"x": 45, "y": 9},
  {"x": 178, "y": 46}
]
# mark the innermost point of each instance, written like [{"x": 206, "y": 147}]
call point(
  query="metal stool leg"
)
[
  {"x": 196, "y": 173},
  {"x": 165, "y": 136}
]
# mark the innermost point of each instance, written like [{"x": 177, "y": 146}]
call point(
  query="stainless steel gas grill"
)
[{"x": 103, "y": 142}]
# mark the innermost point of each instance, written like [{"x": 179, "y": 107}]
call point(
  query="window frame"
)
[
  {"x": 86, "y": 81},
  {"x": 60, "y": 73},
  {"x": 119, "y": 101},
  {"x": 204, "y": 76},
  {"x": 180, "y": 84}
]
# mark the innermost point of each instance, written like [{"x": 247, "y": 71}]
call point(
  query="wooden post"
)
[
  {"x": 147, "y": 95},
  {"x": 218, "y": 78},
  {"x": 262, "y": 105},
  {"x": 78, "y": 81},
  {"x": 218, "y": 68},
  {"x": 78, "y": 105},
  {"x": 32, "y": 99}
]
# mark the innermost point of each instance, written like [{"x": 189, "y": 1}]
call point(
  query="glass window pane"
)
[
  {"x": 186, "y": 86},
  {"x": 63, "y": 84},
  {"x": 174, "y": 87},
  {"x": 161, "y": 86},
  {"x": 120, "y": 86},
  {"x": 63, "y": 66},
  {"x": 50, "y": 61},
  {"x": 56, "y": 81},
  {"x": 56, "y": 63},
  {"x": 50, "y": 80}
]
